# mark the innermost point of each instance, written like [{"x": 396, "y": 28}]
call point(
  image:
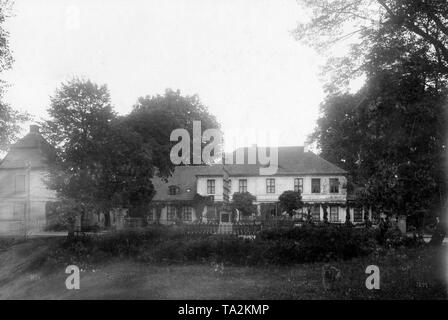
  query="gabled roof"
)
[
  {"x": 33, "y": 148},
  {"x": 291, "y": 160},
  {"x": 183, "y": 177}
]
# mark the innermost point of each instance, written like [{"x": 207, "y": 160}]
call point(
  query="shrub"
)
[
  {"x": 393, "y": 238},
  {"x": 323, "y": 243},
  {"x": 282, "y": 246}
]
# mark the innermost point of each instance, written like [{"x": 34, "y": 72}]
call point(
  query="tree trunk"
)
[
  {"x": 71, "y": 231},
  {"x": 439, "y": 234}
]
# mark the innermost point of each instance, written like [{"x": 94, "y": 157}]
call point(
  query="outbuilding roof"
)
[{"x": 33, "y": 148}]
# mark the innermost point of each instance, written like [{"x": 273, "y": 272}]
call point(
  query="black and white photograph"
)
[{"x": 239, "y": 152}]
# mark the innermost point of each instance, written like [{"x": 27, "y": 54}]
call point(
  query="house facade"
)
[
  {"x": 323, "y": 187},
  {"x": 192, "y": 194},
  {"x": 26, "y": 203},
  {"x": 24, "y": 196}
]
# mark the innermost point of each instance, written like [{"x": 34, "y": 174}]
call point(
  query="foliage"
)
[
  {"x": 277, "y": 246},
  {"x": 314, "y": 243},
  {"x": 391, "y": 138},
  {"x": 155, "y": 117},
  {"x": 10, "y": 119},
  {"x": 244, "y": 202},
  {"x": 366, "y": 26},
  {"x": 390, "y": 135},
  {"x": 100, "y": 162},
  {"x": 290, "y": 200}
]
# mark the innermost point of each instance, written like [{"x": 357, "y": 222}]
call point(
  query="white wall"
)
[
  {"x": 39, "y": 194},
  {"x": 257, "y": 187}
]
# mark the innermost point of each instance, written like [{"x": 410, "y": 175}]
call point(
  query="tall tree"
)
[
  {"x": 290, "y": 200},
  {"x": 155, "y": 117},
  {"x": 78, "y": 127},
  {"x": 10, "y": 119},
  {"x": 390, "y": 137},
  {"x": 105, "y": 160},
  {"x": 391, "y": 134},
  {"x": 101, "y": 163},
  {"x": 244, "y": 202},
  {"x": 362, "y": 23}
]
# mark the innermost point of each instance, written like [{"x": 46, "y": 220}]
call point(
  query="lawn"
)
[{"x": 404, "y": 274}]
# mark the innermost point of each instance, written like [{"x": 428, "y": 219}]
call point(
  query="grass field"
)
[{"x": 404, "y": 274}]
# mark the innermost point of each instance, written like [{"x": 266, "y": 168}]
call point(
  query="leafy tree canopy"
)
[
  {"x": 155, "y": 117},
  {"x": 290, "y": 200},
  {"x": 101, "y": 162},
  {"x": 10, "y": 119},
  {"x": 105, "y": 160},
  {"x": 412, "y": 27},
  {"x": 390, "y": 135},
  {"x": 244, "y": 202}
]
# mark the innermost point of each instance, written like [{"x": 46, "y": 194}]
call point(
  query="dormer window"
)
[{"x": 173, "y": 190}]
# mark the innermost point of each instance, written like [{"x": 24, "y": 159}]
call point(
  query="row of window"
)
[
  {"x": 315, "y": 213},
  {"x": 186, "y": 213},
  {"x": 334, "y": 213},
  {"x": 270, "y": 185}
]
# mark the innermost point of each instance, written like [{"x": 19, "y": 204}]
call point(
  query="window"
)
[
  {"x": 334, "y": 185},
  {"x": 334, "y": 214},
  {"x": 211, "y": 186},
  {"x": 270, "y": 185},
  {"x": 230, "y": 186},
  {"x": 315, "y": 185},
  {"x": 152, "y": 215},
  {"x": 173, "y": 190},
  {"x": 298, "y": 185},
  {"x": 187, "y": 213},
  {"x": 19, "y": 211},
  {"x": 171, "y": 213},
  {"x": 315, "y": 212},
  {"x": 357, "y": 215},
  {"x": 20, "y": 183},
  {"x": 243, "y": 185}
]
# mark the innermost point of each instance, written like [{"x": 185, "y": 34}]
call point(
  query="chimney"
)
[{"x": 34, "y": 128}]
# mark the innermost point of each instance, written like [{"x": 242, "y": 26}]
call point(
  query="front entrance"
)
[
  {"x": 224, "y": 217},
  {"x": 225, "y": 223}
]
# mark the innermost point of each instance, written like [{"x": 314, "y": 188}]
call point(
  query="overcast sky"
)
[{"x": 238, "y": 55}]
